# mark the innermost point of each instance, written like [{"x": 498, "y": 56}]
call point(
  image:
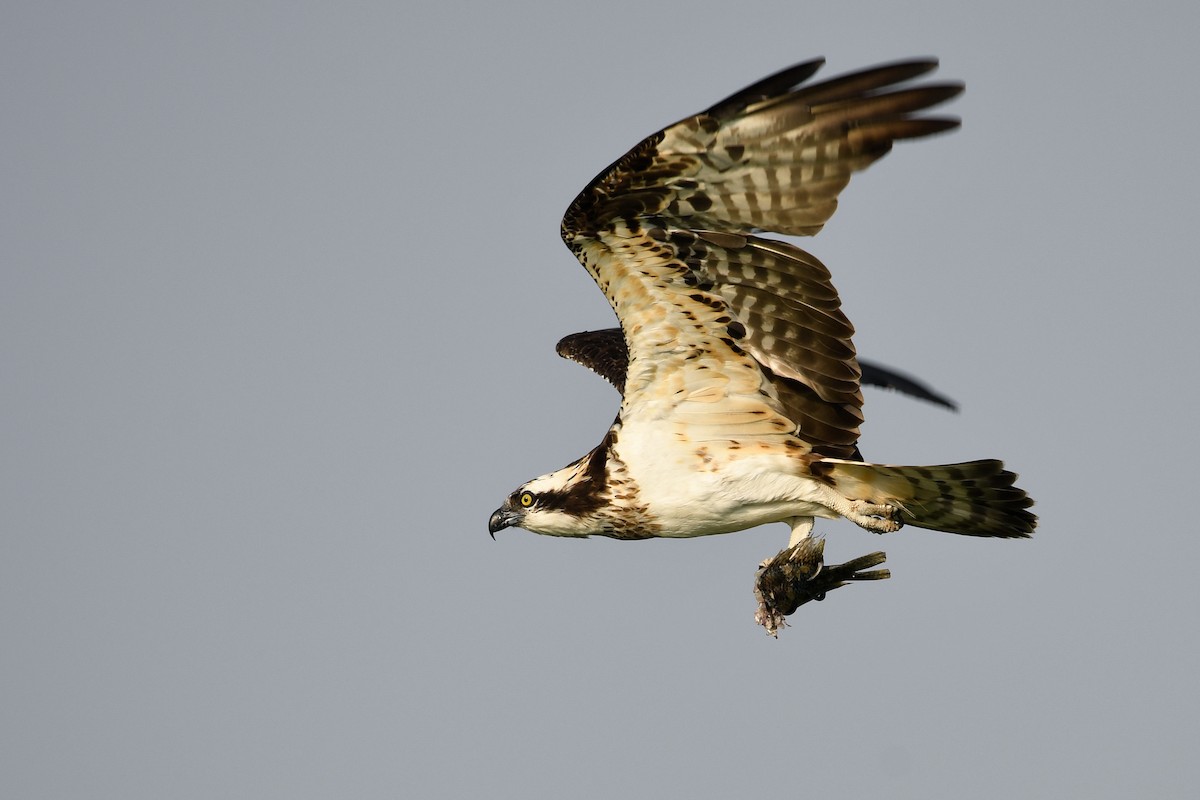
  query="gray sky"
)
[{"x": 280, "y": 287}]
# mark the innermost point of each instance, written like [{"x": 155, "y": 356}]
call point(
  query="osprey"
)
[{"x": 741, "y": 400}]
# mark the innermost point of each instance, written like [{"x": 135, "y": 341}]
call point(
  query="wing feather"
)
[
  {"x": 604, "y": 353},
  {"x": 667, "y": 233},
  {"x": 759, "y": 161}
]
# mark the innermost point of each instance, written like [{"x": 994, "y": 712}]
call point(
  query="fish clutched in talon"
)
[{"x": 798, "y": 574}]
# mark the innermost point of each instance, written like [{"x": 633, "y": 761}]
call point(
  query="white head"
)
[{"x": 561, "y": 503}]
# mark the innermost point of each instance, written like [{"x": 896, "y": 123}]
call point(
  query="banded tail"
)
[{"x": 975, "y": 498}]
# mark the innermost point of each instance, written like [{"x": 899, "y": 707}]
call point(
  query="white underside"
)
[{"x": 734, "y": 491}]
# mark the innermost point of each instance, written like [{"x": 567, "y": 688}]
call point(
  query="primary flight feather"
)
[{"x": 741, "y": 400}]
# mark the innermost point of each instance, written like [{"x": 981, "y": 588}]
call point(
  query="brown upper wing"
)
[{"x": 603, "y": 352}]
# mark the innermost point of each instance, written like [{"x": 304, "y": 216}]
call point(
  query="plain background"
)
[{"x": 279, "y": 290}]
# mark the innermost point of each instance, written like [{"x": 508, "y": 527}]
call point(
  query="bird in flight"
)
[{"x": 740, "y": 386}]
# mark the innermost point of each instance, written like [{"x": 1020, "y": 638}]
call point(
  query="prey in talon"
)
[{"x": 798, "y": 574}]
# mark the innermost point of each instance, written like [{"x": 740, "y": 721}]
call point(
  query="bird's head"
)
[{"x": 561, "y": 503}]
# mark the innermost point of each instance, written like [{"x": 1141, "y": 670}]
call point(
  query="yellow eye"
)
[{"x": 526, "y": 500}]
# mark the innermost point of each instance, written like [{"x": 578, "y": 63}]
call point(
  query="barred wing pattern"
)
[{"x": 668, "y": 230}]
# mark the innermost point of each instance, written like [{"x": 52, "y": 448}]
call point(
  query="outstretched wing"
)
[
  {"x": 667, "y": 233},
  {"x": 604, "y": 353}
]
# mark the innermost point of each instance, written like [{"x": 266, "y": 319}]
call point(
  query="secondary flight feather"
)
[{"x": 740, "y": 384}]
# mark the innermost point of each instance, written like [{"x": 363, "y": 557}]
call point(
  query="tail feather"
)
[{"x": 975, "y": 498}]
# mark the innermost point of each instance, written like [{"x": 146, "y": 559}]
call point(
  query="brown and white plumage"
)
[
  {"x": 741, "y": 399},
  {"x": 604, "y": 353}
]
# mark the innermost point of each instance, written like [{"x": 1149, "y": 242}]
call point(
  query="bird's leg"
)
[
  {"x": 801, "y": 528},
  {"x": 798, "y": 574}
]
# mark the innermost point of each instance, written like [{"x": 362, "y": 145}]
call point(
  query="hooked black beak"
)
[{"x": 502, "y": 518}]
